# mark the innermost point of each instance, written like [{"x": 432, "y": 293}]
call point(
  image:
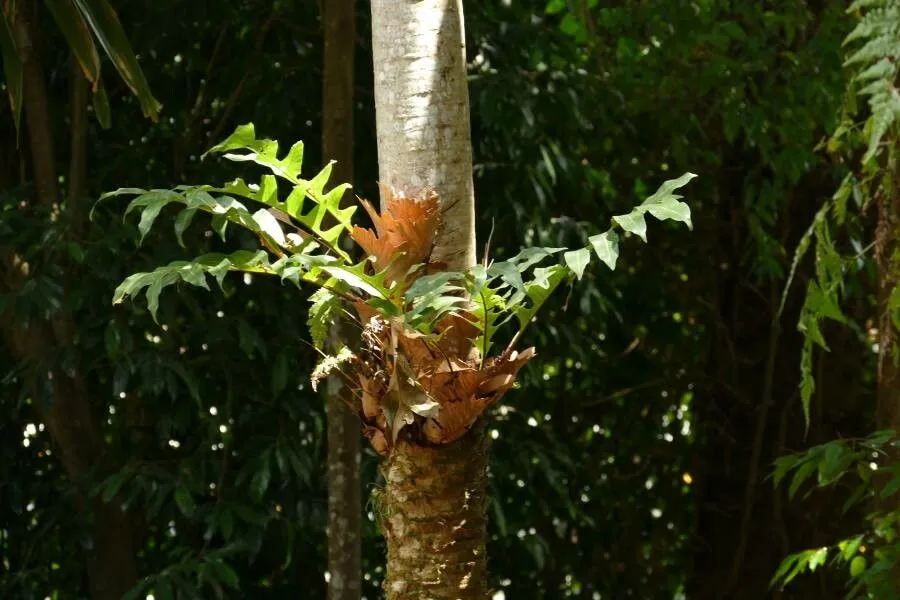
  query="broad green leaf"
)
[
  {"x": 268, "y": 224},
  {"x": 509, "y": 273},
  {"x": 182, "y": 222},
  {"x": 633, "y": 222},
  {"x": 849, "y": 547},
  {"x": 225, "y": 574},
  {"x": 891, "y": 487},
  {"x": 671, "y": 209},
  {"x": 104, "y": 23},
  {"x": 280, "y": 374},
  {"x": 578, "y": 260},
  {"x": 546, "y": 279},
  {"x": 817, "y": 559},
  {"x": 263, "y": 152},
  {"x": 606, "y": 245},
  {"x": 69, "y": 20},
  {"x": 261, "y": 478},
  {"x": 191, "y": 273},
  {"x": 857, "y": 566},
  {"x": 665, "y": 191},
  {"x": 357, "y": 278},
  {"x": 12, "y": 68},
  {"x": 323, "y": 312},
  {"x": 101, "y": 106},
  {"x": 184, "y": 501},
  {"x": 800, "y": 476},
  {"x": 150, "y": 212},
  {"x": 489, "y": 307},
  {"x": 432, "y": 284},
  {"x": 532, "y": 255}
]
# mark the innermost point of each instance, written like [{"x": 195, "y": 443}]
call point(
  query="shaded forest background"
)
[{"x": 634, "y": 461}]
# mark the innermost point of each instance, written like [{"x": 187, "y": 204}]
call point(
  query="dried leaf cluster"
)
[{"x": 432, "y": 388}]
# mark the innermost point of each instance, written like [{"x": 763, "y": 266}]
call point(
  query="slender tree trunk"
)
[
  {"x": 433, "y": 503},
  {"x": 344, "y": 492},
  {"x": 78, "y": 149},
  {"x": 60, "y": 396},
  {"x": 887, "y": 255}
]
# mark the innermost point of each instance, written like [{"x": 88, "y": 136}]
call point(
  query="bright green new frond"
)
[
  {"x": 263, "y": 152},
  {"x": 325, "y": 206}
]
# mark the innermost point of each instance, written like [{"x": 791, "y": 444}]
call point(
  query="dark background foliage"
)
[{"x": 633, "y": 460}]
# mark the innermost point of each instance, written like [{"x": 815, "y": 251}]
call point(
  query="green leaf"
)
[
  {"x": 78, "y": 35},
  {"x": 182, "y": 222},
  {"x": 665, "y": 205},
  {"x": 163, "y": 589},
  {"x": 509, "y": 273},
  {"x": 262, "y": 478},
  {"x": 356, "y": 277},
  {"x": 849, "y": 547},
  {"x": 191, "y": 273},
  {"x": 801, "y": 475},
  {"x": 633, "y": 222},
  {"x": 323, "y": 312},
  {"x": 184, "y": 501},
  {"x": 857, "y": 566},
  {"x": 817, "y": 559},
  {"x": 578, "y": 260},
  {"x": 891, "y": 487},
  {"x": 280, "y": 374},
  {"x": 802, "y": 247},
  {"x": 105, "y": 25},
  {"x": 225, "y": 574},
  {"x": 665, "y": 191},
  {"x": 12, "y": 68},
  {"x": 532, "y": 255},
  {"x": 226, "y": 523},
  {"x": 101, "y": 106},
  {"x": 546, "y": 279},
  {"x": 606, "y": 245},
  {"x": 268, "y": 224}
]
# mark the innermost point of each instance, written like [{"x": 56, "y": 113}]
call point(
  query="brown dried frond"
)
[
  {"x": 435, "y": 389},
  {"x": 404, "y": 232}
]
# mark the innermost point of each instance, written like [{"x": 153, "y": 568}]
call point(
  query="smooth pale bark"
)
[
  {"x": 422, "y": 113},
  {"x": 433, "y": 504},
  {"x": 344, "y": 491}
]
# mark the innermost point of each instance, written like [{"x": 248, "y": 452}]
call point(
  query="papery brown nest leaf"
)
[
  {"x": 465, "y": 395},
  {"x": 404, "y": 232},
  {"x": 457, "y": 332},
  {"x": 377, "y": 439}
]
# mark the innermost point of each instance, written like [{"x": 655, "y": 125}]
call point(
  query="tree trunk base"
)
[{"x": 433, "y": 515}]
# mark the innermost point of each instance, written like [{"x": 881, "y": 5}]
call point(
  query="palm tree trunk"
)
[
  {"x": 433, "y": 515},
  {"x": 433, "y": 502}
]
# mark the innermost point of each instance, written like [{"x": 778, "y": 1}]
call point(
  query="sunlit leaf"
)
[{"x": 606, "y": 245}]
